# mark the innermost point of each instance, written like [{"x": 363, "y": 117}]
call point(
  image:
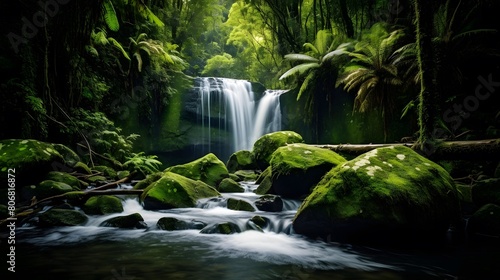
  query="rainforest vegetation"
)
[{"x": 73, "y": 71}]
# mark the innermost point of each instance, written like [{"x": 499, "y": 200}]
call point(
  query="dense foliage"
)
[{"x": 75, "y": 70}]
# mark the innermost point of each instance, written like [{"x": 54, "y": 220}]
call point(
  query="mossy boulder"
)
[
  {"x": 297, "y": 168},
  {"x": 228, "y": 185},
  {"x": 240, "y": 160},
  {"x": 175, "y": 191},
  {"x": 64, "y": 177},
  {"x": 265, "y": 182},
  {"x": 265, "y": 146},
  {"x": 130, "y": 222},
  {"x": 70, "y": 157},
  {"x": 388, "y": 195},
  {"x": 171, "y": 223},
  {"x": 485, "y": 222},
  {"x": 102, "y": 204},
  {"x": 221, "y": 228},
  {"x": 47, "y": 188},
  {"x": 122, "y": 174},
  {"x": 269, "y": 203},
  {"x": 28, "y": 160},
  {"x": 208, "y": 169},
  {"x": 83, "y": 168},
  {"x": 150, "y": 178},
  {"x": 486, "y": 191},
  {"x": 106, "y": 171},
  {"x": 239, "y": 205},
  {"x": 61, "y": 217},
  {"x": 246, "y": 175}
]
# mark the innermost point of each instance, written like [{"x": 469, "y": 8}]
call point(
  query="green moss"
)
[
  {"x": 240, "y": 160},
  {"x": 49, "y": 188},
  {"x": 103, "y": 204},
  {"x": 106, "y": 171},
  {"x": 393, "y": 185},
  {"x": 175, "y": 191},
  {"x": 265, "y": 182},
  {"x": 265, "y": 146},
  {"x": 151, "y": 178},
  {"x": 130, "y": 221},
  {"x": 239, "y": 205},
  {"x": 208, "y": 169},
  {"x": 64, "y": 178},
  {"x": 122, "y": 174},
  {"x": 70, "y": 157},
  {"x": 81, "y": 167},
  {"x": 230, "y": 186},
  {"x": 28, "y": 160},
  {"x": 246, "y": 175},
  {"x": 221, "y": 228}
]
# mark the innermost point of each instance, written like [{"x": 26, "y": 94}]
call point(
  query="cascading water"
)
[{"x": 229, "y": 105}]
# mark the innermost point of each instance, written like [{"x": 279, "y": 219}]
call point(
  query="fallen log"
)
[{"x": 448, "y": 150}]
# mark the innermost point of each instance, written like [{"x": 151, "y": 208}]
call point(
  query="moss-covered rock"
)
[
  {"x": 175, "y": 191},
  {"x": 485, "y": 222},
  {"x": 269, "y": 203},
  {"x": 265, "y": 182},
  {"x": 62, "y": 217},
  {"x": 228, "y": 185},
  {"x": 47, "y": 188},
  {"x": 83, "y": 168},
  {"x": 246, "y": 175},
  {"x": 208, "y": 169},
  {"x": 96, "y": 179},
  {"x": 28, "y": 160},
  {"x": 170, "y": 223},
  {"x": 106, "y": 171},
  {"x": 69, "y": 156},
  {"x": 486, "y": 191},
  {"x": 297, "y": 168},
  {"x": 382, "y": 196},
  {"x": 221, "y": 228},
  {"x": 102, "y": 204},
  {"x": 122, "y": 174},
  {"x": 241, "y": 160},
  {"x": 130, "y": 221},
  {"x": 64, "y": 178},
  {"x": 262, "y": 222},
  {"x": 265, "y": 146},
  {"x": 239, "y": 205},
  {"x": 151, "y": 178}
]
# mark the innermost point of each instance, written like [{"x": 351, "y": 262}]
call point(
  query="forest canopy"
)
[{"x": 72, "y": 68}]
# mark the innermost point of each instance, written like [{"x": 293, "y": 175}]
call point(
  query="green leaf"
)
[
  {"x": 119, "y": 47},
  {"x": 301, "y": 57},
  {"x": 299, "y": 69},
  {"x": 110, "y": 16}
]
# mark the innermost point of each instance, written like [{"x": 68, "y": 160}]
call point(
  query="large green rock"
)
[
  {"x": 240, "y": 160},
  {"x": 102, "y": 204},
  {"x": 62, "y": 217},
  {"x": 130, "y": 221},
  {"x": 221, "y": 228},
  {"x": 175, "y": 191},
  {"x": 70, "y": 156},
  {"x": 265, "y": 146},
  {"x": 386, "y": 195},
  {"x": 228, "y": 185},
  {"x": 64, "y": 177},
  {"x": 239, "y": 205},
  {"x": 31, "y": 159},
  {"x": 297, "y": 168},
  {"x": 208, "y": 169},
  {"x": 47, "y": 188}
]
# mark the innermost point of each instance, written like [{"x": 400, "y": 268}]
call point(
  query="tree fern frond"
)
[
  {"x": 299, "y": 69},
  {"x": 110, "y": 16},
  {"x": 300, "y": 57},
  {"x": 119, "y": 46}
]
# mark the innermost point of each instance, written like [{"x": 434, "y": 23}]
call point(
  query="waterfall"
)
[{"x": 230, "y": 106}]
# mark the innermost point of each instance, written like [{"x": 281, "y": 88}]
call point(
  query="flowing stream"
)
[{"x": 93, "y": 252}]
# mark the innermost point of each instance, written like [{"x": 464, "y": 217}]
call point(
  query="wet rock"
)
[
  {"x": 269, "y": 203},
  {"x": 69, "y": 156},
  {"x": 62, "y": 217},
  {"x": 146, "y": 182},
  {"x": 260, "y": 221},
  {"x": 265, "y": 182},
  {"x": 83, "y": 168},
  {"x": 102, "y": 204},
  {"x": 130, "y": 221},
  {"x": 28, "y": 160},
  {"x": 265, "y": 146},
  {"x": 47, "y": 188},
  {"x": 175, "y": 191},
  {"x": 239, "y": 205},
  {"x": 297, "y": 168},
  {"x": 208, "y": 169},
  {"x": 240, "y": 160},
  {"x": 387, "y": 195},
  {"x": 106, "y": 171},
  {"x": 170, "y": 224},
  {"x": 122, "y": 174},
  {"x": 246, "y": 175},
  {"x": 228, "y": 185},
  {"x": 222, "y": 228}
]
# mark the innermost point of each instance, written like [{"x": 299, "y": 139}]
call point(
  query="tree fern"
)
[{"x": 110, "y": 16}]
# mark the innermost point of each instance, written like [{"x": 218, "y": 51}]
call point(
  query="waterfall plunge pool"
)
[{"x": 93, "y": 252}]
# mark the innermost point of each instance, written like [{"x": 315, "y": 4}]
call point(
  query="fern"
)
[
  {"x": 110, "y": 16},
  {"x": 146, "y": 164}
]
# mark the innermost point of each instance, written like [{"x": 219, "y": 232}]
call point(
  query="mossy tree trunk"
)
[{"x": 428, "y": 93}]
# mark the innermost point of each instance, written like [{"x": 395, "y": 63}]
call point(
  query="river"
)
[{"x": 93, "y": 252}]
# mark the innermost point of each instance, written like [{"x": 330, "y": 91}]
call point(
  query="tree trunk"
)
[
  {"x": 427, "y": 99},
  {"x": 452, "y": 150}
]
